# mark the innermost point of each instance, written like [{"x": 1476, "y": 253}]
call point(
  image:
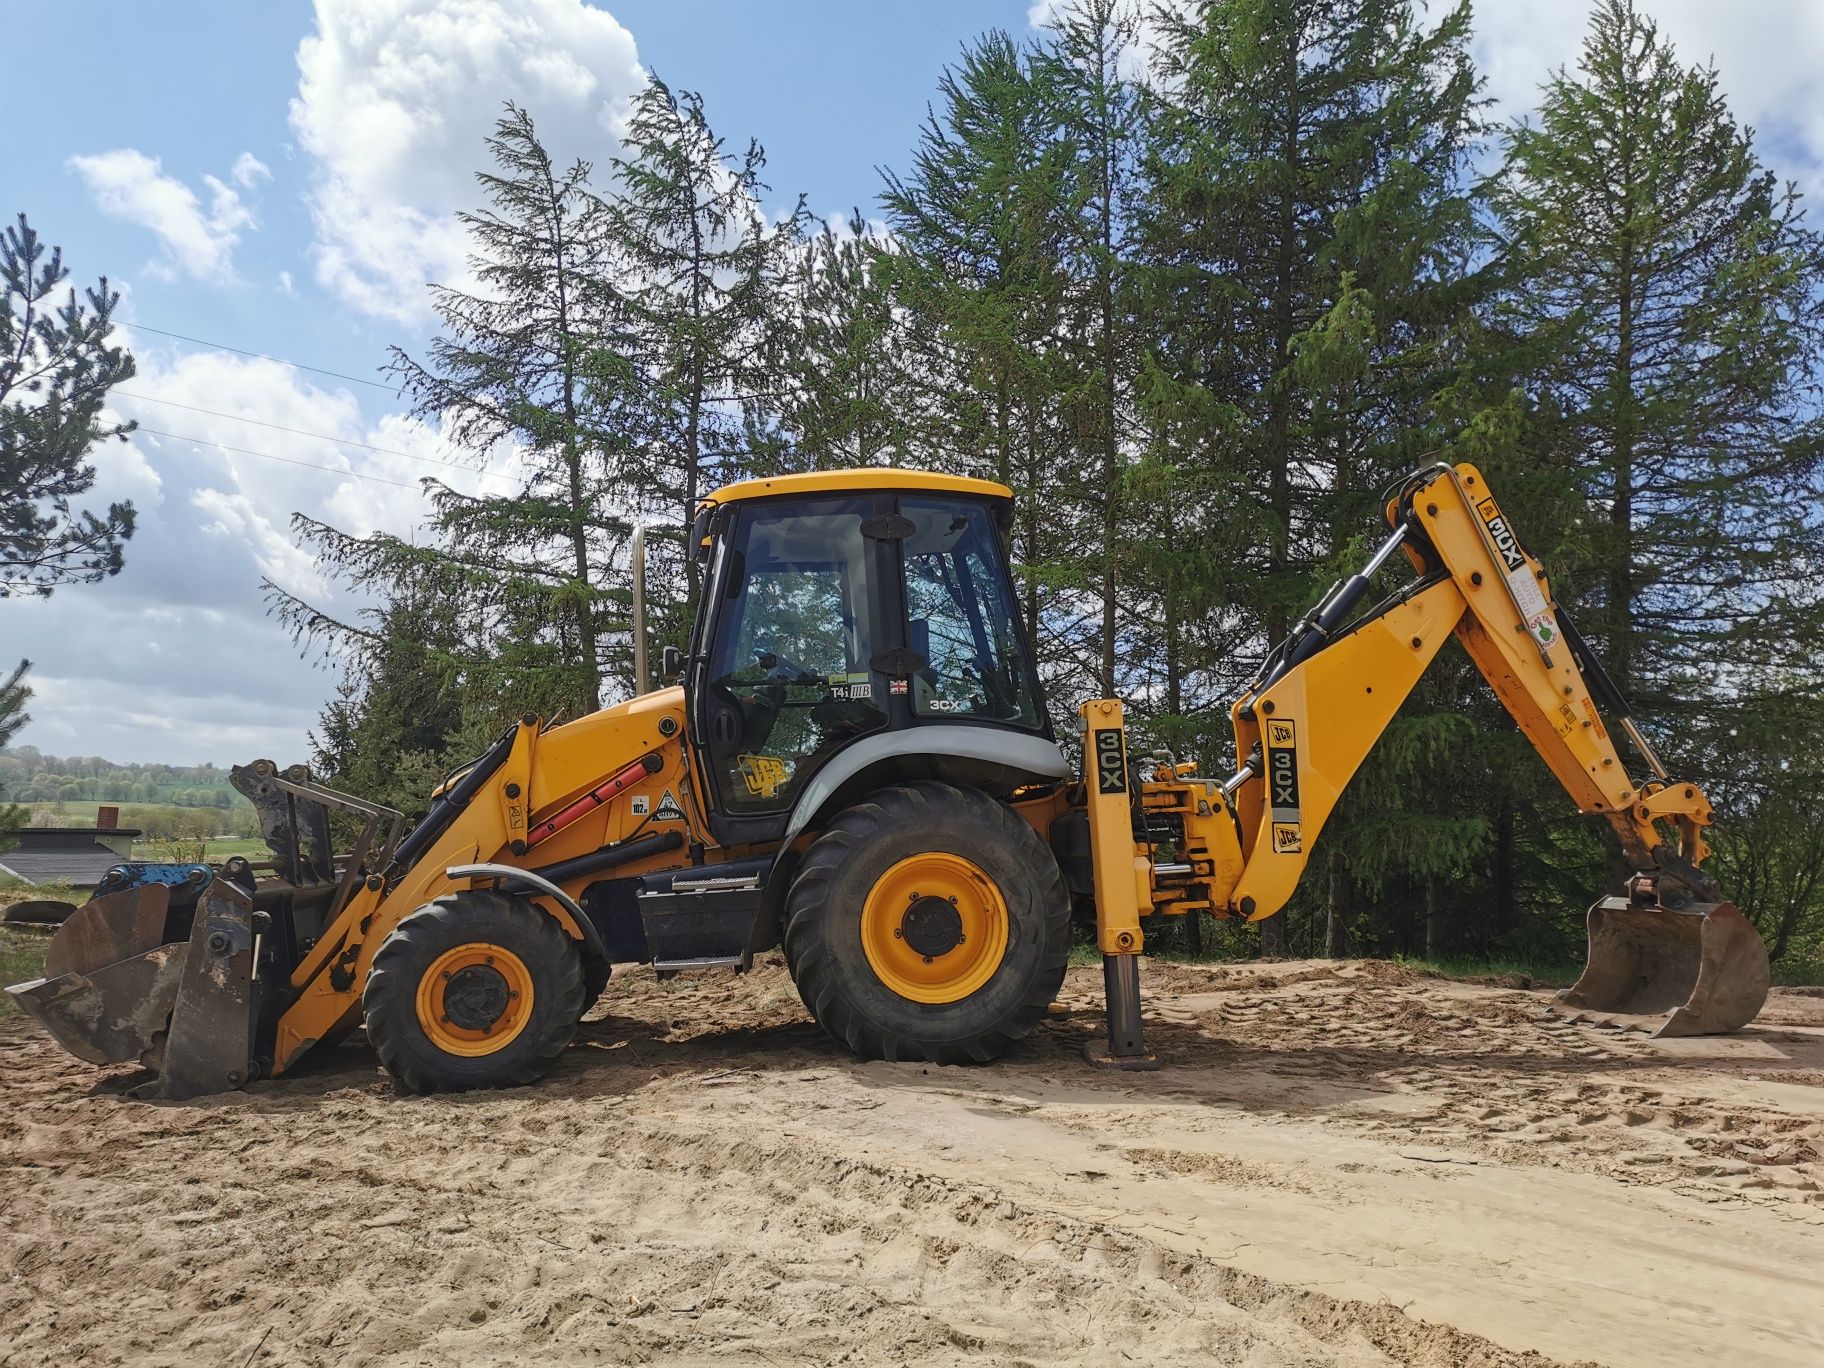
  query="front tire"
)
[
  {"x": 928, "y": 922},
  {"x": 473, "y": 990}
]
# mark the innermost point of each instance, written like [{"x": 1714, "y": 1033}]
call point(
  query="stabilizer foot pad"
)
[{"x": 1099, "y": 1056}]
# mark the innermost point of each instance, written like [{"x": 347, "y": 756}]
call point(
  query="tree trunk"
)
[
  {"x": 1336, "y": 927},
  {"x": 1434, "y": 920},
  {"x": 1273, "y": 935}
]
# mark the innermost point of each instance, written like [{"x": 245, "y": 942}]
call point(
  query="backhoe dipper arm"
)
[
  {"x": 1325, "y": 695},
  {"x": 1328, "y": 694}
]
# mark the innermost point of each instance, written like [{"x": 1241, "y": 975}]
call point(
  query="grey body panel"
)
[{"x": 972, "y": 751}]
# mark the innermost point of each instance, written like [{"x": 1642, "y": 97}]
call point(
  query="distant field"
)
[{"x": 218, "y": 848}]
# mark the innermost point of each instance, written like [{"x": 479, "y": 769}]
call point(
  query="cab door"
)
[{"x": 783, "y": 675}]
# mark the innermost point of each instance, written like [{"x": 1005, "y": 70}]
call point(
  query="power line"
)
[
  {"x": 296, "y": 432},
  {"x": 268, "y": 456},
  {"x": 261, "y": 356}
]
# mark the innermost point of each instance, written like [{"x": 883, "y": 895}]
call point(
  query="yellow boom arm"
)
[{"x": 1324, "y": 696}]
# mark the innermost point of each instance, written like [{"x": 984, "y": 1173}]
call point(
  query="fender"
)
[
  {"x": 581, "y": 927},
  {"x": 983, "y": 757}
]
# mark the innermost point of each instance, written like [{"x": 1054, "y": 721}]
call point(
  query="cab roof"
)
[{"x": 872, "y": 478}]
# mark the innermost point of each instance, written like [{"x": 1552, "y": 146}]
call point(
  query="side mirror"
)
[
  {"x": 671, "y": 662},
  {"x": 699, "y": 547}
]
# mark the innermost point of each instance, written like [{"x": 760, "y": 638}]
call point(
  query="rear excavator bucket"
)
[{"x": 1703, "y": 963}]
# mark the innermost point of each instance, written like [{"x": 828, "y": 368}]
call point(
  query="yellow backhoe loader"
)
[{"x": 858, "y": 765}]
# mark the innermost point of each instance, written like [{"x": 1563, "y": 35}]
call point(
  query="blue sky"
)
[{"x": 280, "y": 178}]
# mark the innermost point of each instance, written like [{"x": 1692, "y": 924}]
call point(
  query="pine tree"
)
[
  {"x": 1097, "y": 115},
  {"x": 1661, "y": 301},
  {"x": 14, "y": 695},
  {"x": 981, "y": 223},
  {"x": 840, "y": 405},
  {"x": 56, "y": 368},
  {"x": 398, "y": 715},
  {"x": 713, "y": 282},
  {"x": 541, "y": 363},
  {"x": 1666, "y": 285}
]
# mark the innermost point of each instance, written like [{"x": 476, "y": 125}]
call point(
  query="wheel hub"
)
[
  {"x": 476, "y": 997},
  {"x": 932, "y": 926}
]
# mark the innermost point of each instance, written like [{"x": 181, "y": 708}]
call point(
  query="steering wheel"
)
[{"x": 784, "y": 670}]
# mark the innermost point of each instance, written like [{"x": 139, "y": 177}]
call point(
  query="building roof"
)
[
  {"x": 841, "y": 481},
  {"x": 69, "y": 855}
]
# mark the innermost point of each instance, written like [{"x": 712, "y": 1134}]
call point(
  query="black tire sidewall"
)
[
  {"x": 1006, "y": 850},
  {"x": 389, "y": 1000}
]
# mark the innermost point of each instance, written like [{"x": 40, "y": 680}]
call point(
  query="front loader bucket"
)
[
  {"x": 143, "y": 976},
  {"x": 1702, "y": 964}
]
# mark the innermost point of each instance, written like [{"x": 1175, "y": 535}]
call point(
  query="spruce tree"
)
[
  {"x": 711, "y": 280},
  {"x": 1665, "y": 284},
  {"x": 1308, "y": 248},
  {"x": 537, "y": 361}
]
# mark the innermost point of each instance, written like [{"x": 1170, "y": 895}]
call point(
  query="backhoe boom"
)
[{"x": 1325, "y": 695}]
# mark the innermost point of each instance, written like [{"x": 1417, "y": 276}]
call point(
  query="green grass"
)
[
  {"x": 219, "y": 848},
  {"x": 22, "y": 952},
  {"x": 21, "y": 958}
]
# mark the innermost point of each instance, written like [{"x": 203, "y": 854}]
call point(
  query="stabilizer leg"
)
[{"x": 1126, "y": 1044}]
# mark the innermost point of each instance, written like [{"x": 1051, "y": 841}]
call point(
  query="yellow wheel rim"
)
[
  {"x": 934, "y": 927},
  {"x": 475, "y": 999}
]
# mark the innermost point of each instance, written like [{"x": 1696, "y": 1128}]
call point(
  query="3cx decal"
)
[
  {"x": 1111, "y": 760},
  {"x": 1282, "y": 787}
]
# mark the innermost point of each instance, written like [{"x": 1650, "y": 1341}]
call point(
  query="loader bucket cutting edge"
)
[
  {"x": 1703, "y": 965},
  {"x": 116, "y": 992}
]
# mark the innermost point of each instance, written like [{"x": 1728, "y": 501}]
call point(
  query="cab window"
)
[
  {"x": 960, "y": 618},
  {"x": 789, "y": 679}
]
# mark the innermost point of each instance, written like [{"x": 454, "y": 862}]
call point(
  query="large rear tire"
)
[
  {"x": 474, "y": 990},
  {"x": 928, "y": 922}
]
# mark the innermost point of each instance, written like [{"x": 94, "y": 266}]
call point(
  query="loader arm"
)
[{"x": 1325, "y": 695}]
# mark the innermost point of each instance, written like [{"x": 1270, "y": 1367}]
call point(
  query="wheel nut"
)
[
  {"x": 927, "y": 959},
  {"x": 898, "y": 934}
]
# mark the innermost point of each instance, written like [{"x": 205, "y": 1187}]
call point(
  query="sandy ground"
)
[{"x": 1335, "y": 1166}]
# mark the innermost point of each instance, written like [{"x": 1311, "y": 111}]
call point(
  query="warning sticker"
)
[
  {"x": 1282, "y": 786},
  {"x": 669, "y": 809},
  {"x": 1522, "y": 583},
  {"x": 641, "y": 804}
]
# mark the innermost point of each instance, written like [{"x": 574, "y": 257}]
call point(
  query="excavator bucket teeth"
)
[{"x": 1703, "y": 966}]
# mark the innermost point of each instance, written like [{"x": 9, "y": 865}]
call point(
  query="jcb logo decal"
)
[
  {"x": 1111, "y": 761},
  {"x": 1282, "y": 786},
  {"x": 1505, "y": 541}
]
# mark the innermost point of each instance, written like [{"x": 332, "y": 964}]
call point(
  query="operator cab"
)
[{"x": 844, "y": 607}]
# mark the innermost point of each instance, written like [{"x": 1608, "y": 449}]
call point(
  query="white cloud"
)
[
  {"x": 249, "y": 171},
  {"x": 176, "y": 658},
  {"x": 394, "y": 100},
  {"x": 1767, "y": 56},
  {"x": 199, "y": 241}
]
